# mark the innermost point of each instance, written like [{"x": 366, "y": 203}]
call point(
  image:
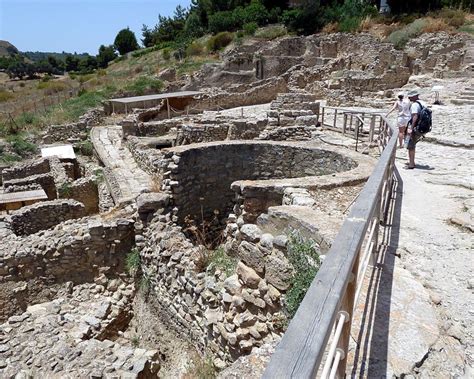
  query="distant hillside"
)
[
  {"x": 37, "y": 56},
  {"x": 7, "y": 49}
]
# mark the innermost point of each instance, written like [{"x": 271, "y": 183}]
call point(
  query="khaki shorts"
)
[{"x": 415, "y": 137}]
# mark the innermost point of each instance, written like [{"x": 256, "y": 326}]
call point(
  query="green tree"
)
[
  {"x": 72, "y": 63},
  {"x": 147, "y": 35},
  {"x": 106, "y": 55},
  {"x": 125, "y": 41}
]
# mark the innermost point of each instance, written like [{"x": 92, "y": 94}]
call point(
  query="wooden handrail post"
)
[
  {"x": 335, "y": 116},
  {"x": 322, "y": 116},
  {"x": 347, "y": 305},
  {"x": 372, "y": 129},
  {"x": 344, "y": 124}
]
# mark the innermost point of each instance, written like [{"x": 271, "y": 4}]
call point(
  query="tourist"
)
[
  {"x": 412, "y": 134},
  {"x": 403, "y": 107}
]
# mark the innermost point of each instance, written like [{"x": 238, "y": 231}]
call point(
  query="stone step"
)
[
  {"x": 462, "y": 102},
  {"x": 466, "y": 97}
]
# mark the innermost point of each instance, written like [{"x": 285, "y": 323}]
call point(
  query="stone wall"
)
[
  {"x": 46, "y": 181},
  {"x": 226, "y": 313},
  {"x": 200, "y": 176},
  {"x": 147, "y": 158},
  {"x": 44, "y": 215},
  {"x": 77, "y": 131},
  {"x": 22, "y": 170},
  {"x": 84, "y": 190},
  {"x": 76, "y": 251}
]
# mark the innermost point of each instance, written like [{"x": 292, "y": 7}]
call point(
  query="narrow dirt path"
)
[{"x": 125, "y": 179}]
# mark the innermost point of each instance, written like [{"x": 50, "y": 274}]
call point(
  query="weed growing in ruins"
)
[
  {"x": 202, "y": 368},
  {"x": 145, "y": 283},
  {"x": 65, "y": 190},
  {"x": 304, "y": 257},
  {"x": 132, "y": 261},
  {"x": 219, "y": 260},
  {"x": 135, "y": 340},
  {"x": 86, "y": 148},
  {"x": 99, "y": 176}
]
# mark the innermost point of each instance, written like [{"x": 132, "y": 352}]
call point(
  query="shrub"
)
[
  {"x": 468, "y": 27},
  {"x": 219, "y": 41},
  {"x": 271, "y": 32},
  {"x": 20, "y": 145},
  {"x": 5, "y": 96},
  {"x": 304, "y": 257},
  {"x": 194, "y": 49},
  {"x": 349, "y": 24},
  {"x": 399, "y": 38},
  {"x": 250, "y": 28},
  {"x": 435, "y": 25},
  {"x": 452, "y": 17},
  {"x": 86, "y": 148},
  {"x": 143, "y": 84},
  {"x": 132, "y": 261},
  {"x": 166, "y": 53}
]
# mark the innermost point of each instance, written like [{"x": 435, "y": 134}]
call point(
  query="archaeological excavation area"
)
[{"x": 153, "y": 243}]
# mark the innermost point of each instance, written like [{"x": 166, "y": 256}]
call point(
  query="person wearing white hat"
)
[
  {"x": 412, "y": 134},
  {"x": 403, "y": 107}
]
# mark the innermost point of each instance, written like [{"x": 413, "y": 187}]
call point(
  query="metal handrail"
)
[{"x": 338, "y": 282}]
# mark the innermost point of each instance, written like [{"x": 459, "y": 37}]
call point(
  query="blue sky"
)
[{"x": 76, "y": 25}]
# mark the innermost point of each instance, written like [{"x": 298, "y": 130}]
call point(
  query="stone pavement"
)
[
  {"x": 420, "y": 322},
  {"x": 125, "y": 179}
]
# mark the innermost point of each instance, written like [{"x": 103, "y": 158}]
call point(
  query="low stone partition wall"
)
[
  {"x": 46, "y": 181},
  {"x": 261, "y": 92},
  {"x": 85, "y": 191},
  {"x": 147, "y": 158},
  {"x": 289, "y": 133},
  {"x": 254, "y": 197},
  {"x": 44, "y": 215},
  {"x": 22, "y": 170},
  {"x": 74, "y": 131},
  {"x": 226, "y": 313},
  {"x": 76, "y": 251},
  {"x": 199, "y": 176}
]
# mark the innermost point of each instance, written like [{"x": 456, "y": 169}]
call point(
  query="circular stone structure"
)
[{"x": 203, "y": 176}]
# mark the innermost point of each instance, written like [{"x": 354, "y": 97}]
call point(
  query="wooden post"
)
[
  {"x": 350, "y": 125},
  {"x": 335, "y": 115},
  {"x": 347, "y": 305},
  {"x": 372, "y": 129},
  {"x": 344, "y": 124},
  {"x": 322, "y": 117},
  {"x": 168, "y": 107}
]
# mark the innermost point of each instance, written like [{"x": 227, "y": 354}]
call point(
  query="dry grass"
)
[
  {"x": 332, "y": 27},
  {"x": 436, "y": 25}
]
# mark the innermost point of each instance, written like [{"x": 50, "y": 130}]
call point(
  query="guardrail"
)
[
  {"x": 354, "y": 123},
  {"x": 325, "y": 314}
]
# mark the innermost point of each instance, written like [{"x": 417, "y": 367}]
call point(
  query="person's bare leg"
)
[
  {"x": 401, "y": 135},
  {"x": 411, "y": 158}
]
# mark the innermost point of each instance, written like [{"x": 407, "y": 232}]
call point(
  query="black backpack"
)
[{"x": 423, "y": 124}]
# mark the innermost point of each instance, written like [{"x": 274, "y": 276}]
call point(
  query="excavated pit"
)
[{"x": 202, "y": 178}]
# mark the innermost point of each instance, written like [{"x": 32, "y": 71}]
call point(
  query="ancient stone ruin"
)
[{"x": 174, "y": 240}]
